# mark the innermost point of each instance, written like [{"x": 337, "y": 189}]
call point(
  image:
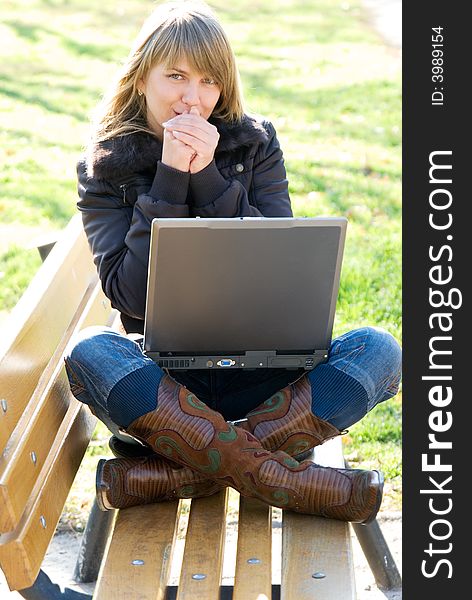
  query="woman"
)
[{"x": 172, "y": 140}]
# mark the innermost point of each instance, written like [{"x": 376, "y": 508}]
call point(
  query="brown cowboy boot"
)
[
  {"x": 124, "y": 482},
  {"x": 138, "y": 476},
  {"x": 187, "y": 431},
  {"x": 285, "y": 421}
]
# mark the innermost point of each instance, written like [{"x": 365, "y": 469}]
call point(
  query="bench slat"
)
[
  {"x": 37, "y": 323},
  {"x": 142, "y": 533},
  {"x": 315, "y": 545},
  {"x": 30, "y": 454},
  {"x": 204, "y": 548},
  {"x": 253, "y": 581},
  {"x": 37, "y": 428},
  {"x": 22, "y": 551}
]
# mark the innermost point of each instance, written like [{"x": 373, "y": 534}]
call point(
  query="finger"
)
[
  {"x": 194, "y": 126},
  {"x": 171, "y": 139},
  {"x": 198, "y": 129},
  {"x": 197, "y": 144},
  {"x": 188, "y": 118},
  {"x": 194, "y": 111},
  {"x": 174, "y": 142},
  {"x": 207, "y": 137}
]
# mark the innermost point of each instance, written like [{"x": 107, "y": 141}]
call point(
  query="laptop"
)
[{"x": 242, "y": 293}]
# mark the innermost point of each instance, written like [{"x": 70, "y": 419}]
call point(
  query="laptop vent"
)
[{"x": 174, "y": 364}]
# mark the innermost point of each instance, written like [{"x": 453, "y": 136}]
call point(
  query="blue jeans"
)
[{"x": 366, "y": 359}]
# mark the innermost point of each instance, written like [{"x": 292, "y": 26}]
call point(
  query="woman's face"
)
[{"x": 173, "y": 91}]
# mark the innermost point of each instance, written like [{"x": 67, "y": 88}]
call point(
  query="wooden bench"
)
[{"x": 44, "y": 433}]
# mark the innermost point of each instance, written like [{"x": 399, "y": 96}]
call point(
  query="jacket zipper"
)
[{"x": 123, "y": 187}]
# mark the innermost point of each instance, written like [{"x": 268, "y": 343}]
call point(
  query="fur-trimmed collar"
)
[{"x": 138, "y": 153}]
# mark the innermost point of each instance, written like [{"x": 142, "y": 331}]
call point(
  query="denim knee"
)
[
  {"x": 393, "y": 354},
  {"x": 84, "y": 346},
  {"x": 373, "y": 357},
  {"x": 98, "y": 358},
  {"x": 386, "y": 357}
]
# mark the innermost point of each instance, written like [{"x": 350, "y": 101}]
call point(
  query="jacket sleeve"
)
[
  {"x": 215, "y": 196},
  {"x": 119, "y": 234}
]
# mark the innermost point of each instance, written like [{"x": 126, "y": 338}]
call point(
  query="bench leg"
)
[
  {"x": 44, "y": 589},
  {"x": 378, "y": 555},
  {"x": 93, "y": 544}
]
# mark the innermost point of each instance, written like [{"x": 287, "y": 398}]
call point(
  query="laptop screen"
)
[{"x": 223, "y": 286}]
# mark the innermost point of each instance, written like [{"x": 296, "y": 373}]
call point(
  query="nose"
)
[{"x": 191, "y": 97}]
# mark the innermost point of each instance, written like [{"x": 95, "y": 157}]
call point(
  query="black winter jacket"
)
[{"x": 123, "y": 186}]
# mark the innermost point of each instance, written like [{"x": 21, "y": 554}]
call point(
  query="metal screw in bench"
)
[
  {"x": 138, "y": 562},
  {"x": 4, "y": 405},
  {"x": 198, "y": 576},
  {"x": 42, "y": 520},
  {"x": 33, "y": 457},
  {"x": 318, "y": 575},
  {"x": 254, "y": 561}
]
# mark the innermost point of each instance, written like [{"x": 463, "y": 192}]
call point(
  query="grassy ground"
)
[{"x": 317, "y": 70}]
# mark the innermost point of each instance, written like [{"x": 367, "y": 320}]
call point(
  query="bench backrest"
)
[{"x": 44, "y": 431}]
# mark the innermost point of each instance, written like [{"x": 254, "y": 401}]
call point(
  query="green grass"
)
[
  {"x": 16, "y": 266},
  {"x": 317, "y": 70}
]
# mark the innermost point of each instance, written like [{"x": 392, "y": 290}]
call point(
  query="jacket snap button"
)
[{"x": 239, "y": 168}]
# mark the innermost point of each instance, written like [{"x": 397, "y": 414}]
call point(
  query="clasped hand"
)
[{"x": 189, "y": 142}]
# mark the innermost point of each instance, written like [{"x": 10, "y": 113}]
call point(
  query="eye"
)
[
  {"x": 176, "y": 76},
  {"x": 209, "y": 81}
]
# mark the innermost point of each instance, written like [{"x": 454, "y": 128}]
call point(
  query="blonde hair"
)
[{"x": 173, "y": 31}]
